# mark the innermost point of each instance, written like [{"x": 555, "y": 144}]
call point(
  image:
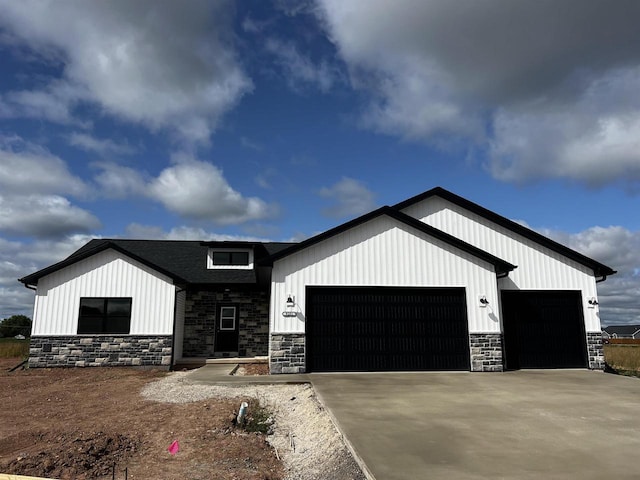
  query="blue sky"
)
[{"x": 277, "y": 120}]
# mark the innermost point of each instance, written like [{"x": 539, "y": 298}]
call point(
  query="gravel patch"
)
[{"x": 304, "y": 436}]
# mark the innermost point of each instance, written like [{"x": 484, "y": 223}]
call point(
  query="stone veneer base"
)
[
  {"x": 486, "y": 352},
  {"x": 287, "y": 353},
  {"x": 595, "y": 351},
  {"x": 101, "y": 351}
]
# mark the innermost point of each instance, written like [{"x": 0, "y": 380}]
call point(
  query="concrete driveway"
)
[{"x": 562, "y": 424}]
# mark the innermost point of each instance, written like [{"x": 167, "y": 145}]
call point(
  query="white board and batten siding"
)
[
  {"x": 382, "y": 252},
  {"x": 539, "y": 268},
  {"x": 105, "y": 274}
]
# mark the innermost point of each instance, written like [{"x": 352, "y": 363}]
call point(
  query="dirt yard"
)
[
  {"x": 84, "y": 423},
  {"x": 80, "y": 423}
]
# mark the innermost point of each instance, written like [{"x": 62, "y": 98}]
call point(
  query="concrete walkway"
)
[
  {"x": 214, "y": 374},
  {"x": 525, "y": 425}
]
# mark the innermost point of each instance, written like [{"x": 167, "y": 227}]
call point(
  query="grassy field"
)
[
  {"x": 624, "y": 359},
  {"x": 12, "y": 348}
]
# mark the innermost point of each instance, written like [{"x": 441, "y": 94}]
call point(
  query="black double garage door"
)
[
  {"x": 378, "y": 329},
  {"x": 404, "y": 329}
]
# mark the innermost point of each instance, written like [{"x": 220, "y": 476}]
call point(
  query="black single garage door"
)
[
  {"x": 386, "y": 328},
  {"x": 543, "y": 329}
]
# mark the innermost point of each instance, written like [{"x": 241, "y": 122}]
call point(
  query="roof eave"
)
[{"x": 34, "y": 277}]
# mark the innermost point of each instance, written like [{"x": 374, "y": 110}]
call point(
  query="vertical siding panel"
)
[{"x": 106, "y": 274}]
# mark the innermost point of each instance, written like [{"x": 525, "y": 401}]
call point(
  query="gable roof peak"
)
[
  {"x": 502, "y": 267},
  {"x": 599, "y": 269}
]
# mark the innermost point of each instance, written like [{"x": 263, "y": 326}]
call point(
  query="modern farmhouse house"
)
[{"x": 433, "y": 283}]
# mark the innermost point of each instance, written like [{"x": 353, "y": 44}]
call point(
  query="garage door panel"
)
[
  {"x": 386, "y": 329},
  {"x": 544, "y": 329}
]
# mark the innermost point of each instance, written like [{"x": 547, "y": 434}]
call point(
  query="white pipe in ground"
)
[{"x": 242, "y": 413}]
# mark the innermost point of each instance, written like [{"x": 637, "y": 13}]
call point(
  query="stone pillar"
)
[
  {"x": 287, "y": 353},
  {"x": 595, "y": 350},
  {"x": 486, "y": 352}
]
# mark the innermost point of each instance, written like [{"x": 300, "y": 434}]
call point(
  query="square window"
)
[
  {"x": 222, "y": 258},
  {"x": 92, "y": 307},
  {"x": 239, "y": 258},
  {"x": 104, "y": 315}
]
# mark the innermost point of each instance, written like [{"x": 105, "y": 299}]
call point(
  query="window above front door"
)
[{"x": 230, "y": 259}]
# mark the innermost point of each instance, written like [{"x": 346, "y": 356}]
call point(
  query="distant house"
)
[
  {"x": 435, "y": 282},
  {"x": 621, "y": 331}
]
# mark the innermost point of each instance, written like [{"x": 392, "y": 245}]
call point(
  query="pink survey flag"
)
[{"x": 174, "y": 447}]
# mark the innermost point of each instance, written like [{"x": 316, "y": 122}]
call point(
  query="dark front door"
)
[
  {"x": 543, "y": 329},
  {"x": 386, "y": 328},
  {"x": 226, "y": 336}
]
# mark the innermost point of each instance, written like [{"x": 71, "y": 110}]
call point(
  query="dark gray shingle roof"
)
[
  {"x": 182, "y": 260},
  {"x": 626, "y": 330}
]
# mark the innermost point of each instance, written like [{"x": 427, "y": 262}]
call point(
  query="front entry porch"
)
[{"x": 220, "y": 323}]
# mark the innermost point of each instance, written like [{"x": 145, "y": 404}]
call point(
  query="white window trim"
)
[
  {"x": 211, "y": 266},
  {"x": 227, "y": 317}
]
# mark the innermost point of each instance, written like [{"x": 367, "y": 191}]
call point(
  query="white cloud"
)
[
  {"x": 544, "y": 98},
  {"x": 198, "y": 190},
  {"x": 266, "y": 178},
  {"x": 350, "y": 198},
  {"x": 103, "y": 147},
  {"x": 299, "y": 70},
  {"x": 150, "y": 232},
  {"x": 18, "y": 259},
  {"x": 161, "y": 64},
  {"x": 33, "y": 186},
  {"x": 618, "y": 248},
  {"x": 117, "y": 181},
  {"x": 594, "y": 140},
  {"x": 19, "y": 162},
  {"x": 194, "y": 189},
  {"x": 53, "y": 103},
  {"x": 43, "y": 216}
]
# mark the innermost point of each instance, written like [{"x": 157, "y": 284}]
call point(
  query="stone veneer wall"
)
[
  {"x": 101, "y": 351},
  {"x": 595, "y": 351},
  {"x": 486, "y": 352},
  {"x": 287, "y": 353},
  {"x": 201, "y": 311}
]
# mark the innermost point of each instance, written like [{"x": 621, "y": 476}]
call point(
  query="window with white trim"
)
[
  {"x": 230, "y": 258},
  {"x": 227, "y": 318}
]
